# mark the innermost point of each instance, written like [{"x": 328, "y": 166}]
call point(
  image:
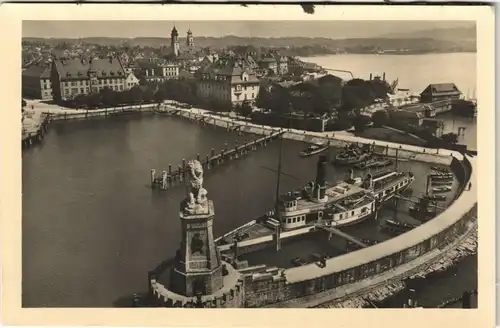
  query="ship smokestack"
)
[
  {"x": 320, "y": 188},
  {"x": 369, "y": 179},
  {"x": 428, "y": 185},
  {"x": 370, "y": 76},
  {"x": 383, "y": 77}
]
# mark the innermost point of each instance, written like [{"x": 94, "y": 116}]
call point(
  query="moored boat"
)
[
  {"x": 441, "y": 182},
  {"x": 435, "y": 197},
  {"x": 438, "y": 176},
  {"x": 397, "y": 227},
  {"x": 345, "y": 203},
  {"x": 441, "y": 189},
  {"x": 315, "y": 149},
  {"x": 373, "y": 162},
  {"x": 384, "y": 185},
  {"x": 354, "y": 154},
  {"x": 441, "y": 169}
]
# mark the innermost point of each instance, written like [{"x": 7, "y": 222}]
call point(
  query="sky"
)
[{"x": 132, "y": 29}]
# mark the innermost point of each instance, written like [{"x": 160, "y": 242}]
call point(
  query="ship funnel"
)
[
  {"x": 370, "y": 76},
  {"x": 383, "y": 77},
  {"x": 320, "y": 187},
  {"x": 369, "y": 181}
]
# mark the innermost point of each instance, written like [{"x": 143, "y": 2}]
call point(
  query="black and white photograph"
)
[{"x": 243, "y": 163}]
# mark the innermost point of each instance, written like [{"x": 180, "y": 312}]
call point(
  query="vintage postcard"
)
[{"x": 259, "y": 159}]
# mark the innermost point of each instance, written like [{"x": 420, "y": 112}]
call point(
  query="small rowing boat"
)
[
  {"x": 441, "y": 189},
  {"x": 441, "y": 169},
  {"x": 315, "y": 149}
]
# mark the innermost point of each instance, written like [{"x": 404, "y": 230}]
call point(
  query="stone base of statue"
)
[{"x": 198, "y": 268}]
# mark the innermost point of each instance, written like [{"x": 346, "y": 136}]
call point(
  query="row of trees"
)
[
  {"x": 180, "y": 90},
  {"x": 323, "y": 96}
]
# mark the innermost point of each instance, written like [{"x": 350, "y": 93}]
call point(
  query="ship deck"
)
[{"x": 304, "y": 246}]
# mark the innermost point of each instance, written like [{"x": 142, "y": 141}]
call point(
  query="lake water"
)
[
  {"x": 415, "y": 72},
  {"x": 92, "y": 227}
]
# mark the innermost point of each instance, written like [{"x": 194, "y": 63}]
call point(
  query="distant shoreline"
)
[{"x": 390, "y": 54}]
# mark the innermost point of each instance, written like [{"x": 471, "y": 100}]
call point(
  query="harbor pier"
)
[
  {"x": 170, "y": 178},
  {"x": 32, "y": 135}
]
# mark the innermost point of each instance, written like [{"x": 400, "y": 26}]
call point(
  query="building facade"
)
[
  {"x": 157, "y": 72},
  {"x": 36, "y": 83},
  {"x": 440, "y": 91},
  {"x": 73, "y": 77},
  {"x": 227, "y": 82},
  {"x": 131, "y": 81}
]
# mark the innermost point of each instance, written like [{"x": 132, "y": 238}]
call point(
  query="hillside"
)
[
  {"x": 456, "y": 34},
  {"x": 314, "y": 45}
]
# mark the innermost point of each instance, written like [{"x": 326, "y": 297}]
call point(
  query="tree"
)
[
  {"x": 380, "y": 117},
  {"x": 94, "y": 100},
  {"x": 109, "y": 97},
  {"x": 136, "y": 95},
  {"x": 245, "y": 109},
  {"x": 451, "y": 138},
  {"x": 360, "y": 122},
  {"x": 148, "y": 95},
  {"x": 160, "y": 95}
]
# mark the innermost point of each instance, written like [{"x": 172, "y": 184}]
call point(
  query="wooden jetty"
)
[
  {"x": 31, "y": 136},
  {"x": 173, "y": 177}
]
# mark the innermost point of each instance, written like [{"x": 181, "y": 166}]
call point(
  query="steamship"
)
[
  {"x": 346, "y": 203},
  {"x": 296, "y": 212}
]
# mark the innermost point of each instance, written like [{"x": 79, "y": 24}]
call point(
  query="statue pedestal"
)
[{"x": 198, "y": 268}]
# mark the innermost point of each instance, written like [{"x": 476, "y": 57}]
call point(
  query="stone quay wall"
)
[{"x": 339, "y": 140}]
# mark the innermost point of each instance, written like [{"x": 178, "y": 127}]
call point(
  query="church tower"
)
[
  {"x": 174, "y": 42},
  {"x": 198, "y": 264},
  {"x": 190, "y": 39}
]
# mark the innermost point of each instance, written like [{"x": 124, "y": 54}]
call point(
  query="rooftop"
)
[
  {"x": 442, "y": 88},
  {"x": 39, "y": 71},
  {"x": 70, "y": 69}
]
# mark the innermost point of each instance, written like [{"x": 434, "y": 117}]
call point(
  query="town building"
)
[
  {"x": 157, "y": 72},
  {"x": 281, "y": 63},
  {"x": 227, "y": 82},
  {"x": 131, "y": 80},
  {"x": 403, "y": 118},
  {"x": 72, "y": 77},
  {"x": 269, "y": 64},
  {"x": 36, "y": 82},
  {"x": 426, "y": 110},
  {"x": 440, "y": 91}
]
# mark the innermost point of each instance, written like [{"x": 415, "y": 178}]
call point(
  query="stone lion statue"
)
[{"x": 197, "y": 195}]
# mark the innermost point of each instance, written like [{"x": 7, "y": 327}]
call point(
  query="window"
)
[{"x": 82, "y": 90}]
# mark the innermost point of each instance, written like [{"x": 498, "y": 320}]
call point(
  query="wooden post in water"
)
[
  {"x": 212, "y": 153},
  {"x": 198, "y": 157},
  {"x": 183, "y": 166},
  {"x": 180, "y": 173},
  {"x": 208, "y": 163}
]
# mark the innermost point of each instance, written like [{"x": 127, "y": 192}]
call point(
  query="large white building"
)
[{"x": 227, "y": 82}]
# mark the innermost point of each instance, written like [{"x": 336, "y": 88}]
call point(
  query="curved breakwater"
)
[{"x": 367, "y": 275}]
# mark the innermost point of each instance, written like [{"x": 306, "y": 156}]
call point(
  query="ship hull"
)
[{"x": 313, "y": 152}]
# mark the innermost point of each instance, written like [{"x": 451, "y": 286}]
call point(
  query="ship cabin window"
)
[{"x": 352, "y": 213}]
